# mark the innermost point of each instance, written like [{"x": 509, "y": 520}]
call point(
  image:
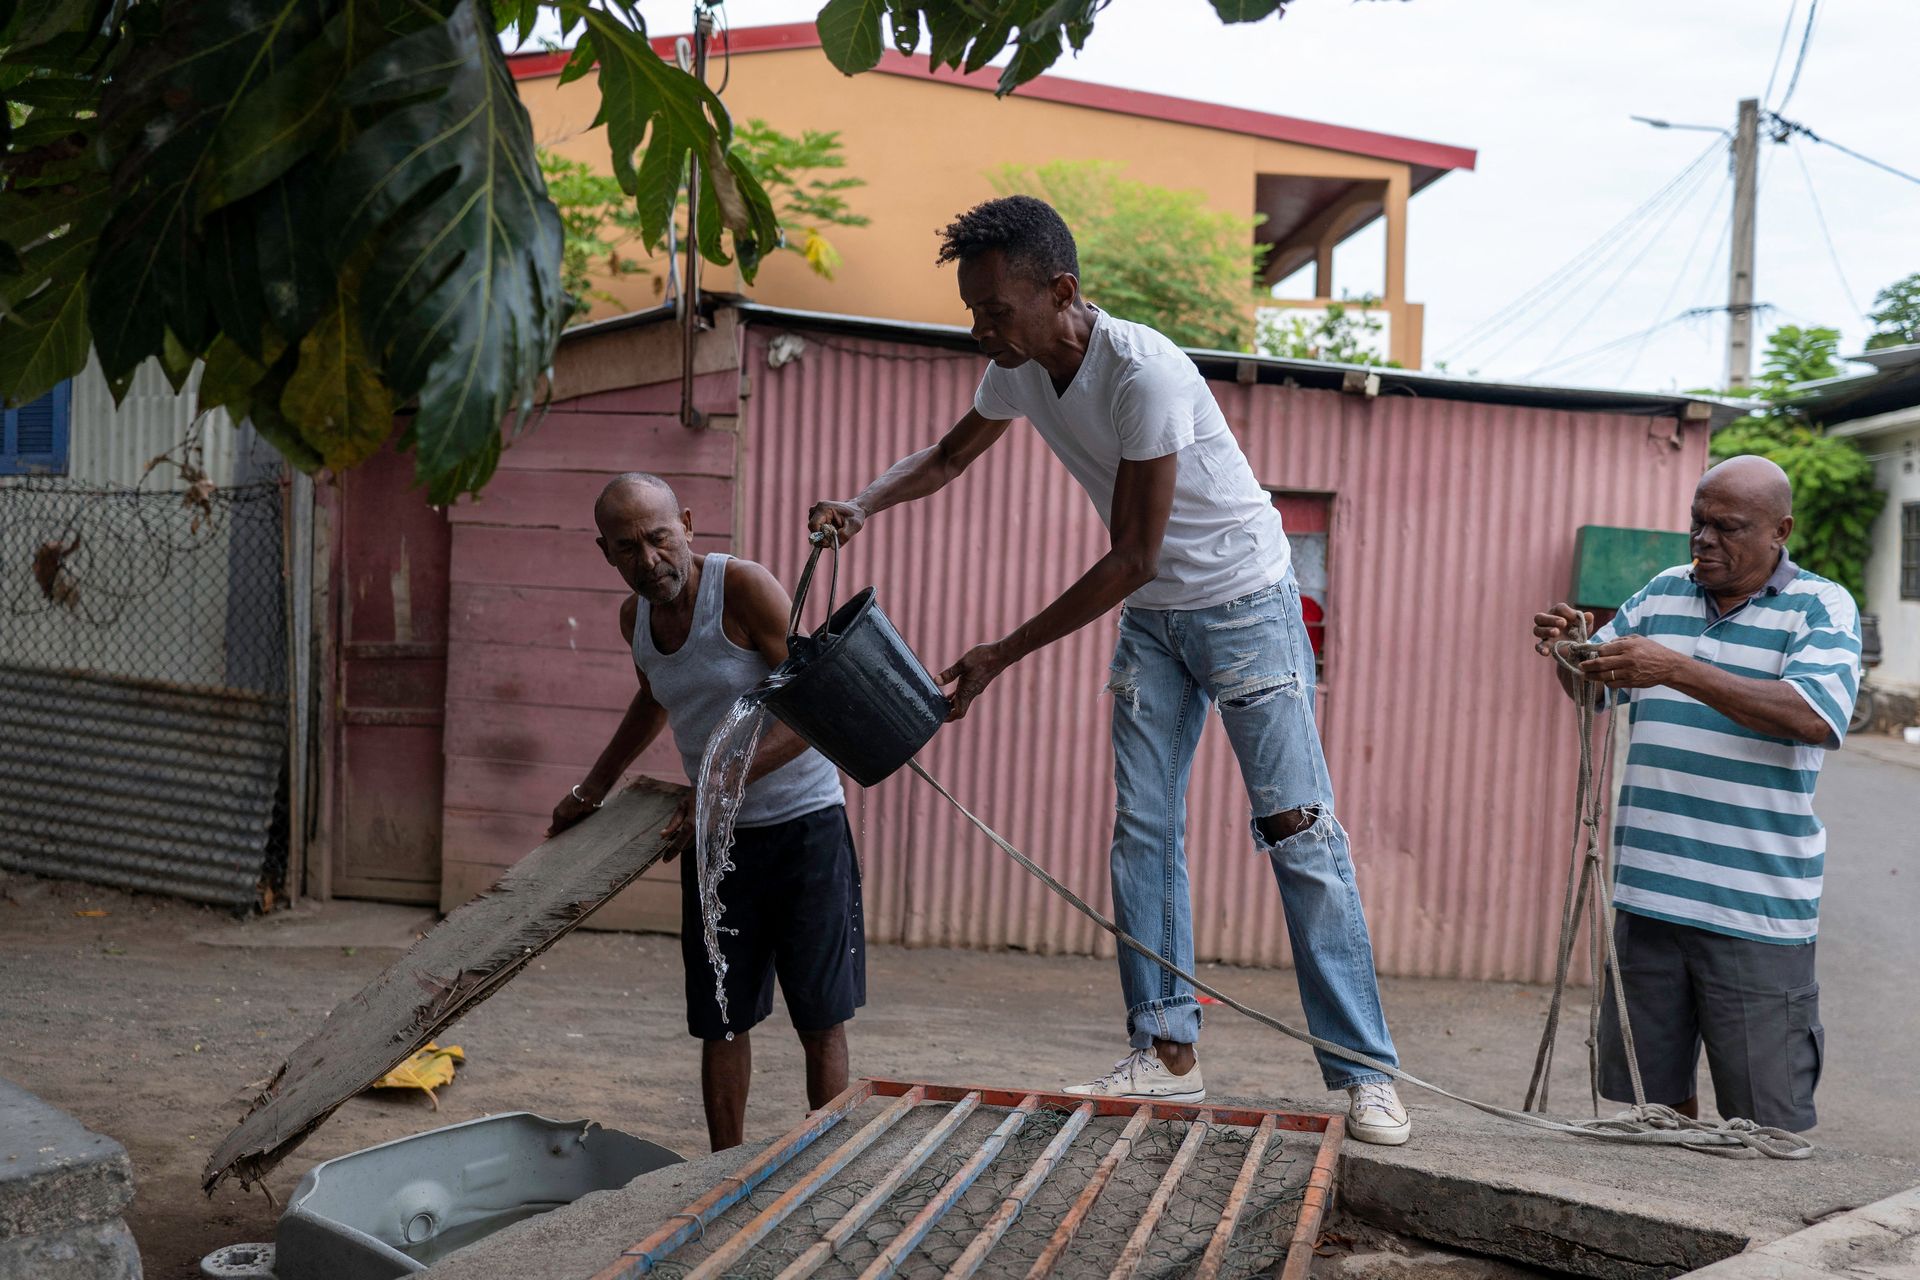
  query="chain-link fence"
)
[{"x": 143, "y": 679}]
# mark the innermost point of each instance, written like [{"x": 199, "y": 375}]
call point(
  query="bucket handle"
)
[{"x": 821, "y": 540}]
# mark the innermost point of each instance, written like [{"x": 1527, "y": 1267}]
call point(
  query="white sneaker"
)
[
  {"x": 1374, "y": 1114},
  {"x": 1142, "y": 1075}
]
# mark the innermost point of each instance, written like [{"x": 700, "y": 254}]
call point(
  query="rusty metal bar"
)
[
  {"x": 1216, "y": 1254},
  {"x": 1238, "y": 1117},
  {"x": 776, "y": 1213},
  {"x": 640, "y": 1258},
  {"x": 908, "y": 1240},
  {"x": 1314, "y": 1205},
  {"x": 1010, "y": 1208},
  {"x": 1069, "y": 1225},
  {"x": 816, "y": 1257},
  {"x": 1137, "y": 1244}
]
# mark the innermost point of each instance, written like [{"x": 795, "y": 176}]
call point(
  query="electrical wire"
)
[
  {"x": 1794, "y": 126},
  {"x": 1800, "y": 60},
  {"x": 1581, "y": 357},
  {"x": 1589, "y": 261},
  {"x": 1726, "y": 187},
  {"x": 1607, "y": 293},
  {"x": 1833, "y": 253},
  {"x": 1786, "y": 33}
]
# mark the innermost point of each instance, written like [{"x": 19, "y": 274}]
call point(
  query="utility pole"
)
[{"x": 1740, "y": 277}]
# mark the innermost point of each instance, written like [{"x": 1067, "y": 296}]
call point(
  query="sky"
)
[{"x": 1544, "y": 90}]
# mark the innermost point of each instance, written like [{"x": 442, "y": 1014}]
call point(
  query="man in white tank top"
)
[
  {"x": 1211, "y": 619},
  {"x": 703, "y": 631}
]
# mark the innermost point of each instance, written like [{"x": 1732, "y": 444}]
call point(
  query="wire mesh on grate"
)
[
  {"x": 1258, "y": 1245},
  {"x": 143, "y": 671}
]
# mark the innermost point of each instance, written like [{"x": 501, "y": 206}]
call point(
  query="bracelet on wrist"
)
[{"x": 583, "y": 798}]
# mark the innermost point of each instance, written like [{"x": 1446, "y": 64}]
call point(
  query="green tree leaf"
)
[
  {"x": 161, "y": 117},
  {"x": 462, "y": 300},
  {"x": 334, "y": 398},
  {"x": 850, "y": 33},
  {"x": 1246, "y": 10}
]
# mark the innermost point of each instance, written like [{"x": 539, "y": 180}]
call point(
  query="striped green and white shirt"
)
[{"x": 1715, "y": 827}]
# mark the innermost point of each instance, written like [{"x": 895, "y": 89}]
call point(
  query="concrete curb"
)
[
  {"x": 62, "y": 1188},
  {"x": 54, "y": 1171},
  {"x": 1879, "y": 1240}
]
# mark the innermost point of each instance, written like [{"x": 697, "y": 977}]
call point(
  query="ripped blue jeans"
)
[{"x": 1250, "y": 658}]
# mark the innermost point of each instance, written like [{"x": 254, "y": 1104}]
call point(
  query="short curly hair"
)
[{"x": 1032, "y": 235}]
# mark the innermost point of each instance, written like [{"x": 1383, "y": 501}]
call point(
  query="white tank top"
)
[{"x": 700, "y": 680}]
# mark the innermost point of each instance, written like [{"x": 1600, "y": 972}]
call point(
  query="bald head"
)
[
  {"x": 1742, "y": 517},
  {"x": 1753, "y": 483},
  {"x": 645, "y": 534},
  {"x": 628, "y": 489}
]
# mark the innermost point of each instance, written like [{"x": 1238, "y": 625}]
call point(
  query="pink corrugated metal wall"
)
[{"x": 1452, "y": 750}]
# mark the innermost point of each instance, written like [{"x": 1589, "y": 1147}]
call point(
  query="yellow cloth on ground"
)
[{"x": 426, "y": 1071}]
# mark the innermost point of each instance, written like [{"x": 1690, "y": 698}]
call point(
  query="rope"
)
[
  {"x": 1587, "y": 880},
  {"x": 1644, "y": 1125}
]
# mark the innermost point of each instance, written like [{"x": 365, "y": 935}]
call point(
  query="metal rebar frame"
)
[{"x": 692, "y": 1222}]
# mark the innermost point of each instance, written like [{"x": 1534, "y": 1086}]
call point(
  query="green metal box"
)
[{"x": 1611, "y": 564}]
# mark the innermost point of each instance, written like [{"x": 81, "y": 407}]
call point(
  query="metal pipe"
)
[
  {"x": 640, "y": 1258},
  {"x": 1313, "y": 1206},
  {"x": 1137, "y": 1243},
  {"x": 816, "y": 1257},
  {"x": 774, "y": 1214},
  {"x": 690, "y": 285},
  {"x": 1216, "y": 1253},
  {"x": 1010, "y": 1208},
  {"x": 923, "y": 1222},
  {"x": 1069, "y": 1225}
]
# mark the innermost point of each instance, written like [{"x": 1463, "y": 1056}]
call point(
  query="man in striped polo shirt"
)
[{"x": 1740, "y": 670}]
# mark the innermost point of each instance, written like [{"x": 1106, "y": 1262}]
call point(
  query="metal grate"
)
[{"x": 957, "y": 1181}]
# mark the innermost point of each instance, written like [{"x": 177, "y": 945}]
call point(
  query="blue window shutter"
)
[{"x": 34, "y": 439}]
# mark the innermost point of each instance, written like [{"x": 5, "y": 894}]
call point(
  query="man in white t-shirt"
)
[{"x": 1211, "y": 618}]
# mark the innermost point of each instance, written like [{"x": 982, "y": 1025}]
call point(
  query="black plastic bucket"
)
[{"x": 853, "y": 690}]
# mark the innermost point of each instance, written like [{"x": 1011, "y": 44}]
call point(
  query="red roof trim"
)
[
  {"x": 1203, "y": 115},
  {"x": 1081, "y": 93}
]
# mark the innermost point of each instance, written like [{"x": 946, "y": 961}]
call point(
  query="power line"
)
[
  {"x": 1580, "y": 357},
  {"x": 1588, "y": 260},
  {"x": 1693, "y": 248},
  {"x": 1833, "y": 254},
  {"x": 1806, "y": 38},
  {"x": 1607, "y": 294},
  {"x": 1794, "y": 126},
  {"x": 1786, "y": 33}
]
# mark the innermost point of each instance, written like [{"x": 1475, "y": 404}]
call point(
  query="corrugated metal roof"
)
[
  {"x": 144, "y": 785},
  {"x": 1227, "y": 366}
]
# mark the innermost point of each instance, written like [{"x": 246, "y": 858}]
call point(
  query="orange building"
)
[{"x": 926, "y": 142}]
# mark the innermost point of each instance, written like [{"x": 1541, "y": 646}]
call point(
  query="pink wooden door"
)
[{"x": 392, "y": 625}]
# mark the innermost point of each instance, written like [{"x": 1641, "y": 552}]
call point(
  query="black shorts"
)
[
  {"x": 794, "y": 899},
  {"x": 1754, "y": 1005}
]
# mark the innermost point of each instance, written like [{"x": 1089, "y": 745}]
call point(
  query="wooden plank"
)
[
  {"x": 516, "y": 786},
  {"x": 564, "y": 500},
  {"x": 539, "y": 617},
  {"x": 563, "y": 558},
  {"x": 533, "y": 734},
  {"x": 521, "y": 674},
  {"x": 542, "y": 735},
  {"x": 443, "y": 976},
  {"x": 605, "y": 443},
  {"x": 650, "y": 904},
  {"x": 636, "y": 355}
]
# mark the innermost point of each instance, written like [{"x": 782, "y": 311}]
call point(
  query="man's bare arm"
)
[{"x": 915, "y": 476}]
